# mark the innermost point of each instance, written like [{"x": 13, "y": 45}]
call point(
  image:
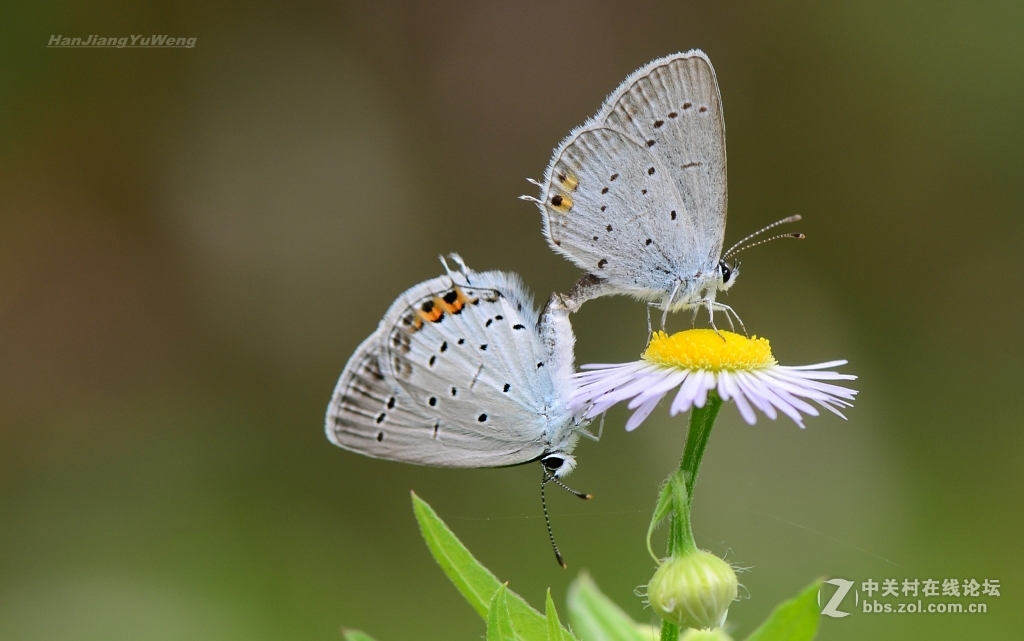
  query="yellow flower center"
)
[{"x": 704, "y": 349}]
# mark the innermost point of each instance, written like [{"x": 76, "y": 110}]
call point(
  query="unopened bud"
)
[{"x": 694, "y": 590}]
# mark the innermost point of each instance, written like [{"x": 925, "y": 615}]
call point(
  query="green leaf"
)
[
  {"x": 473, "y": 580},
  {"x": 793, "y": 620},
  {"x": 595, "y": 618},
  {"x": 499, "y": 623},
  {"x": 661, "y": 512},
  {"x": 355, "y": 635},
  {"x": 555, "y": 630}
]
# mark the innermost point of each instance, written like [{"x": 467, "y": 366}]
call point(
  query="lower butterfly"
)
[{"x": 463, "y": 372}]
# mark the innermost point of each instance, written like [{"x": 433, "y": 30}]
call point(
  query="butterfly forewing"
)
[
  {"x": 651, "y": 166},
  {"x": 674, "y": 109}
]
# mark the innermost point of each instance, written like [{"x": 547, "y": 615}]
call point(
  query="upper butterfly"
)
[
  {"x": 637, "y": 195},
  {"x": 462, "y": 372}
]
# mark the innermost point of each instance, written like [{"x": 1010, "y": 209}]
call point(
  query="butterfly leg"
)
[
  {"x": 668, "y": 304},
  {"x": 709, "y": 303},
  {"x": 584, "y": 432},
  {"x": 729, "y": 310}
]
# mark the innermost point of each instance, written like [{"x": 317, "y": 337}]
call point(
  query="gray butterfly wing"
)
[
  {"x": 370, "y": 415},
  {"x": 651, "y": 166},
  {"x": 392, "y": 402},
  {"x": 471, "y": 358}
]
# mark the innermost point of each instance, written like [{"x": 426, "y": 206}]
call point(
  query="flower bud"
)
[{"x": 694, "y": 590}]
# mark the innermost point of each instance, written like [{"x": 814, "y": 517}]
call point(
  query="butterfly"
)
[
  {"x": 463, "y": 372},
  {"x": 637, "y": 195}
]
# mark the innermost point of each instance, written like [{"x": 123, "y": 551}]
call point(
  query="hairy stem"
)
[{"x": 680, "y": 535}]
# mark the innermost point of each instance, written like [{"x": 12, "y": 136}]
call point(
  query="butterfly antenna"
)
[
  {"x": 547, "y": 520},
  {"x": 796, "y": 235},
  {"x": 552, "y": 479},
  {"x": 788, "y": 219}
]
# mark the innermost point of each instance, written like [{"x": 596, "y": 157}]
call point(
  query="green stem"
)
[
  {"x": 702, "y": 419},
  {"x": 680, "y": 537}
]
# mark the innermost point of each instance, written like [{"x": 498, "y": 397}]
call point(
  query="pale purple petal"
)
[
  {"x": 641, "y": 414},
  {"x": 791, "y": 396},
  {"x": 727, "y": 386},
  {"x": 802, "y": 380},
  {"x": 684, "y": 399},
  {"x": 701, "y": 395},
  {"x": 746, "y": 384},
  {"x": 607, "y": 365},
  {"x": 660, "y": 388},
  {"x": 818, "y": 365}
]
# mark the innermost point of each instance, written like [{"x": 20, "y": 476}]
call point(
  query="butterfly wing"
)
[
  {"x": 638, "y": 194},
  {"x": 451, "y": 378}
]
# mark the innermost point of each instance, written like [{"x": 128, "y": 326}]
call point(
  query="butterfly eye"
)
[
  {"x": 726, "y": 272},
  {"x": 552, "y": 462}
]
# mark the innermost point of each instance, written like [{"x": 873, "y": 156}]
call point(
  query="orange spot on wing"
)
[{"x": 453, "y": 301}]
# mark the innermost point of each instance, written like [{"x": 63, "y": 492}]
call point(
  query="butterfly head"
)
[
  {"x": 558, "y": 464},
  {"x": 727, "y": 274}
]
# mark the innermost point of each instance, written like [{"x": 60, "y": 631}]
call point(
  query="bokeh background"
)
[{"x": 193, "y": 241}]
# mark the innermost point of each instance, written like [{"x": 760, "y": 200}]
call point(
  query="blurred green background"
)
[{"x": 193, "y": 241}]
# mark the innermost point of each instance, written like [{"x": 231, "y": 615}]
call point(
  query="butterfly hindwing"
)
[
  {"x": 615, "y": 210},
  {"x": 458, "y": 375},
  {"x": 473, "y": 361}
]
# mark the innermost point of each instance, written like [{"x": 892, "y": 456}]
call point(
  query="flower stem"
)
[
  {"x": 702, "y": 419},
  {"x": 680, "y": 536}
]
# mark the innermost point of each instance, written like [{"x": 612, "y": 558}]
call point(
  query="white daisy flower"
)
[{"x": 698, "y": 361}]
